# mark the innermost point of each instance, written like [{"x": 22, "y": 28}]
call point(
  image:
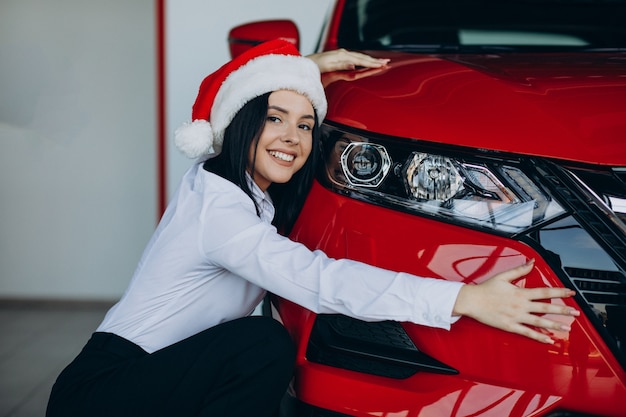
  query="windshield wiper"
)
[
  {"x": 447, "y": 48},
  {"x": 420, "y": 48}
]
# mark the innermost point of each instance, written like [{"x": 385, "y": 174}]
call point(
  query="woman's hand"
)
[
  {"x": 330, "y": 78},
  {"x": 342, "y": 59},
  {"x": 497, "y": 302}
]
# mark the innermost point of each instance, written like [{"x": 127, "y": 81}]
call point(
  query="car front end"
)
[{"x": 496, "y": 134}]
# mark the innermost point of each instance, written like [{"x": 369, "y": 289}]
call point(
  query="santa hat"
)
[{"x": 270, "y": 66}]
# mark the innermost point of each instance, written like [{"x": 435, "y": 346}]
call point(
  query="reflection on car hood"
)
[{"x": 565, "y": 106}]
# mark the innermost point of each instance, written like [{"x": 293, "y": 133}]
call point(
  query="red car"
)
[{"x": 497, "y": 133}]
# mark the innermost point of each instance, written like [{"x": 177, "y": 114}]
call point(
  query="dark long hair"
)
[{"x": 232, "y": 163}]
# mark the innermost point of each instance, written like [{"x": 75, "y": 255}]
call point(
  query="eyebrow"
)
[{"x": 283, "y": 110}]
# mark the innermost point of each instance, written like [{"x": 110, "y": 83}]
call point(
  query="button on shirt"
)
[{"x": 212, "y": 258}]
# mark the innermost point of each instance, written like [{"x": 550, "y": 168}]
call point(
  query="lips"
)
[{"x": 282, "y": 156}]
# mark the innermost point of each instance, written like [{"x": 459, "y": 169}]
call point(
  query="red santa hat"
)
[{"x": 270, "y": 66}]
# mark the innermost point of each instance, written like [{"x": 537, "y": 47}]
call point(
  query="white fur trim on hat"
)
[{"x": 264, "y": 74}]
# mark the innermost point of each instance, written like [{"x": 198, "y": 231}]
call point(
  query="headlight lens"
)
[
  {"x": 454, "y": 186},
  {"x": 432, "y": 177},
  {"x": 365, "y": 164}
]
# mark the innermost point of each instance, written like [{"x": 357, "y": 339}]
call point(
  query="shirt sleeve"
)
[{"x": 235, "y": 238}]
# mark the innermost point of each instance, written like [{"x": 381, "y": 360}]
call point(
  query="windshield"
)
[{"x": 459, "y": 25}]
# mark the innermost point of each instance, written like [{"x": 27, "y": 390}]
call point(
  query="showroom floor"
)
[{"x": 37, "y": 340}]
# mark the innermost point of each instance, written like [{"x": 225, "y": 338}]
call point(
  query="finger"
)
[
  {"x": 364, "y": 60},
  {"x": 547, "y": 293},
  {"x": 531, "y": 333},
  {"x": 517, "y": 272},
  {"x": 547, "y": 308},
  {"x": 370, "y": 62}
]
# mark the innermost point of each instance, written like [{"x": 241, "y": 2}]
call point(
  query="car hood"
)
[{"x": 564, "y": 106}]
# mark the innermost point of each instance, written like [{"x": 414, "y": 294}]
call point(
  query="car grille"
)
[
  {"x": 597, "y": 273},
  {"x": 599, "y": 287}
]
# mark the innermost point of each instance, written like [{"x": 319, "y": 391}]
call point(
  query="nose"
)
[{"x": 290, "y": 135}]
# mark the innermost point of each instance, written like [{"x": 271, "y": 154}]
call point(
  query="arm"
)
[
  {"x": 500, "y": 304},
  {"x": 253, "y": 250},
  {"x": 342, "y": 59}
]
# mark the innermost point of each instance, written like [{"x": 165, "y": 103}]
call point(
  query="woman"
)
[{"x": 181, "y": 342}]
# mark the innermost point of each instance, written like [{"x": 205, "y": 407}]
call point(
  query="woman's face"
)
[{"x": 286, "y": 140}]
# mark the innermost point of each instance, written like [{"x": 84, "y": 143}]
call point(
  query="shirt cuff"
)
[{"x": 435, "y": 299}]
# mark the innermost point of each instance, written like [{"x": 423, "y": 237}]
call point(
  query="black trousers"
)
[{"x": 238, "y": 368}]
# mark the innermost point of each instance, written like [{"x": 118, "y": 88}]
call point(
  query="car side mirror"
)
[{"x": 243, "y": 37}]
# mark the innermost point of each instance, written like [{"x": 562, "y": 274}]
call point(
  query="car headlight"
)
[
  {"x": 365, "y": 164},
  {"x": 439, "y": 182},
  {"x": 432, "y": 177}
]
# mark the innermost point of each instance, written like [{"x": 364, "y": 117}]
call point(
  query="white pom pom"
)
[{"x": 194, "y": 139}]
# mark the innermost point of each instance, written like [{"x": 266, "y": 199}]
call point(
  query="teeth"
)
[{"x": 282, "y": 156}]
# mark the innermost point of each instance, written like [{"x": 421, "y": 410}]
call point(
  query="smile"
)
[{"x": 282, "y": 156}]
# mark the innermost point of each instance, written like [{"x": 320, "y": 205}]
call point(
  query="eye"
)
[
  {"x": 273, "y": 119},
  {"x": 306, "y": 126}
]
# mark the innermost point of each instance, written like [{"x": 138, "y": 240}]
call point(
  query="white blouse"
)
[{"x": 211, "y": 259}]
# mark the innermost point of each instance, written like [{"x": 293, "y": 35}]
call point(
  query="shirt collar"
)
[{"x": 262, "y": 199}]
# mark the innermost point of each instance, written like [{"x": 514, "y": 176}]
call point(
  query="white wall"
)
[
  {"x": 77, "y": 145},
  {"x": 78, "y": 131}
]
